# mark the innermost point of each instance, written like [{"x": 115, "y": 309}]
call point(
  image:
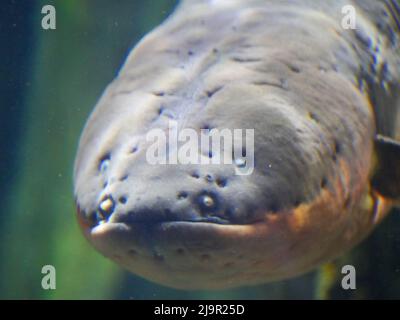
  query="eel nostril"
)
[
  {"x": 207, "y": 202},
  {"x": 182, "y": 195},
  {"x": 221, "y": 182},
  {"x": 123, "y": 199}
]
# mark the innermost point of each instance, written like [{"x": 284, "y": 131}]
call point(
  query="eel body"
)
[{"x": 323, "y": 102}]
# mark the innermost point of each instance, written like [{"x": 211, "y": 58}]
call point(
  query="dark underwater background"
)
[{"x": 50, "y": 81}]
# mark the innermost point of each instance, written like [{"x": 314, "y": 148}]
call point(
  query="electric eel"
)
[{"x": 324, "y": 103}]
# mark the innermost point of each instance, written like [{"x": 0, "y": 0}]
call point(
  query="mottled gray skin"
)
[{"x": 286, "y": 69}]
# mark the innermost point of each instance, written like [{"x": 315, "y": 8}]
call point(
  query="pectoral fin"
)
[{"x": 386, "y": 179}]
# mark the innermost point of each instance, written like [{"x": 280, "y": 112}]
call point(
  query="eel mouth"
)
[
  {"x": 209, "y": 220},
  {"x": 205, "y": 207},
  {"x": 162, "y": 226},
  {"x": 96, "y": 223}
]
